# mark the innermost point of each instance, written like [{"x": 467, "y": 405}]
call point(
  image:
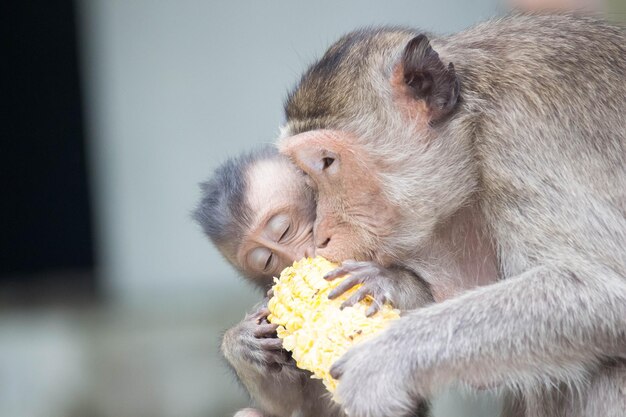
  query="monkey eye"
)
[
  {"x": 327, "y": 162},
  {"x": 260, "y": 258},
  {"x": 284, "y": 233},
  {"x": 277, "y": 225},
  {"x": 268, "y": 262}
]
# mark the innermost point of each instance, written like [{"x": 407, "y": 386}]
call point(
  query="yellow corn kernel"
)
[{"x": 313, "y": 327}]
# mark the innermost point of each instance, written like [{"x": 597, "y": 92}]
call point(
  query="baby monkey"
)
[{"x": 259, "y": 212}]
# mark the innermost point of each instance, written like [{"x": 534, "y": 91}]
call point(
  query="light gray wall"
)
[{"x": 174, "y": 87}]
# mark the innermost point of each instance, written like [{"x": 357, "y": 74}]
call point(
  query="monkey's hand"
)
[
  {"x": 277, "y": 387},
  {"x": 255, "y": 342},
  {"x": 370, "y": 384},
  {"x": 396, "y": 286},
  {"x": 465, "y": 339}
]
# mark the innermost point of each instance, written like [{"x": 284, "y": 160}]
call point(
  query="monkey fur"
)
[
  {"x": 226, "y": 213},
  {"x": 503, "y": 145}
]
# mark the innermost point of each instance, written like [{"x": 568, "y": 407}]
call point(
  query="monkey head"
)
[
  {"x": 259, "y": 212},
  {"x": 353, "y": 215},
  {"x": 282, "y": 211},
  {"x": 378, "y": 125}
]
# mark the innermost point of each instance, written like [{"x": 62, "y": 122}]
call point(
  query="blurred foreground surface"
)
[
  {"x": 134, "y": 363},
  {"x": 122, "y": 362}
]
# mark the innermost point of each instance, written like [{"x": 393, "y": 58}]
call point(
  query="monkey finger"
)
[
  {"x": 289, "y": 360},
  {"x": 373, "y": 309},
  {"x": 271, "y": 344},
  {"x": 270, "y": 292},
  {"x": 336, "y": 273},
  {"x": 273, "y": 356},
  {"x": 262, "y": 314},
  {"x": 345, "y": 268},
  {"x": 263, "y": 330},
  {"x": 344, "y": 286},
  {"x": 352, "y": 265},
  {"x": 283, "y": 358},
  {"x": 336, "y": 370},
  {"x": 355, "y": 298}
]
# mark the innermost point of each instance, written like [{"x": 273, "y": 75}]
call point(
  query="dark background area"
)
[{"x": 46, "y": 240}]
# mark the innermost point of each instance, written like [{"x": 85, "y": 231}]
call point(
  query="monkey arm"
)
[
  {"x": 277, "y": 388},
  {"x": 548, "y": 324}
]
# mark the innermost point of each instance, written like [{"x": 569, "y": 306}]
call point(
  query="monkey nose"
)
[
  {"x": 322, "y": 234},
  {"x": 308, "y": 252}
]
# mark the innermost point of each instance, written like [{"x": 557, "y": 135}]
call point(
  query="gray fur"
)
[
  {"x": 275, "y": 386},
  {"x": 223, "y": 211},
  {"x": 277, "y": 390},
  {"x": 537, "y": 147},
  {"x": 286, "y": 391}
]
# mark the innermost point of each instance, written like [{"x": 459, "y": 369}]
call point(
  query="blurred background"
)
[{"x": 112, "y": 302}]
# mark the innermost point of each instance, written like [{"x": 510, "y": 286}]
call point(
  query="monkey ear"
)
[{"x": 429, "y": 79}]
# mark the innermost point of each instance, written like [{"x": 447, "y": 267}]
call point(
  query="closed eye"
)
[
  {"x": 284, "y": 233},
  {"x": 268, "y": 262}
]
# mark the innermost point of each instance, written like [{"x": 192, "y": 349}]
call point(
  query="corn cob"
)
[{"x": 314, "y": 328}]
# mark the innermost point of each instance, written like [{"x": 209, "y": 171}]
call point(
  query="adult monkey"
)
[
  {"x": 259, "y": 212},
  {"x": 514, "y": 156}
]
